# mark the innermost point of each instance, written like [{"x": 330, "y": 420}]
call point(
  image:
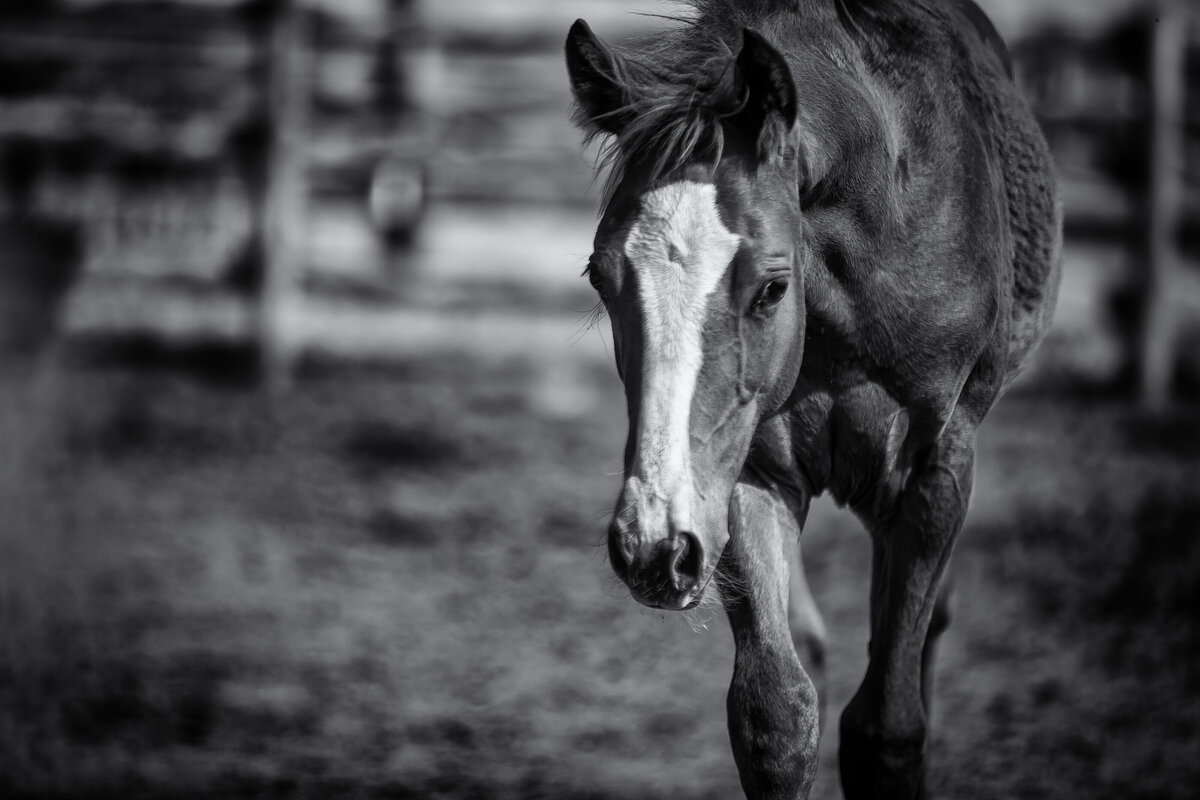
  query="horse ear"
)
[
  {"x": 595, "y": 72},
  {"x": 771, "y": 90}
]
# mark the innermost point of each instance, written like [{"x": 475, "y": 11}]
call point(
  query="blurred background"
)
[{"x": 308, "y": 441}]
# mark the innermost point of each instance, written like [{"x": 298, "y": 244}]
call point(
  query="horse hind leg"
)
[{"x": 808, "y": 630}]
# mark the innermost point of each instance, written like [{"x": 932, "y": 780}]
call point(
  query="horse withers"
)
[{"x": 830, "y": 240}]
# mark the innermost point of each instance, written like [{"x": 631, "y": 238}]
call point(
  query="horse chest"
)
[
  {"x": 857, "y": 443},
  {"x": 883, "y": 371}
]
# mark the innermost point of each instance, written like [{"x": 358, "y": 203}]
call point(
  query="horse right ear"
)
[
  {"x": 596, "y": 72},
  {"x": 770, "y": 108}
]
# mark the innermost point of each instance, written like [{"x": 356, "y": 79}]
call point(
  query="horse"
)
[{"x": 830, "y": 239}]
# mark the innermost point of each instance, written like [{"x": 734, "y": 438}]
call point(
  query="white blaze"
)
[{"x": 679, "y": 249}]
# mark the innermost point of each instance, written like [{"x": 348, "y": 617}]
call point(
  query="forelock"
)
[{"x": 676, "y": 98}]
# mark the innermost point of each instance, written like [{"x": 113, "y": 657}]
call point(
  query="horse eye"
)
[
  {"x": 771, "y": 294},
  {"x": 597, "y": 283}
]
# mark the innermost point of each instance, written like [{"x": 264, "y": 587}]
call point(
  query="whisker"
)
[
  {"x": 591, "y": 320},
  {"x": 699, "y": 617},
  {"x": 603, "y": 339},
  {"x": 731, "y": 585}
]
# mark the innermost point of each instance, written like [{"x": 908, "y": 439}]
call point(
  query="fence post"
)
[
  {"x": 1160, "y": 311},
  {"x": 285, "y": 195}
]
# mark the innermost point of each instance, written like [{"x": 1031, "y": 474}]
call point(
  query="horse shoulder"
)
[{"x": 906, "y": 274}]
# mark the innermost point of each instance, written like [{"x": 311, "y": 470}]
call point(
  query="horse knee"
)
[
  {"x": 774, "y": 730},
  {"x": 810, "y": 648},
  {"x": 880, "y": 760}
]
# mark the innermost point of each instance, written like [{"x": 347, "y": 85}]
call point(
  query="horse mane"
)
[
  {"x": 678, "y": 88},
  {"x": 681, "y": 83}
]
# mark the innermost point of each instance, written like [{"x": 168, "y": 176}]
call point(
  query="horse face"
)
[
  {"x": 697, "y": 267},
  {"x": 704, "y": 292}
]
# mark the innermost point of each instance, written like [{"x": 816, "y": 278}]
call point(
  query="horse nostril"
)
[
  {"x": 683, "y": 557},
  {"x": 618, "y": 552}
]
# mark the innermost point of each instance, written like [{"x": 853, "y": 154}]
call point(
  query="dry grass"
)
[{"x": 390, "y": 585}]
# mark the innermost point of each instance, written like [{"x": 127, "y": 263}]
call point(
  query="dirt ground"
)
[{"x": 391, "y": 583}]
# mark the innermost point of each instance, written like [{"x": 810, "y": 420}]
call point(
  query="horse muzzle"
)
[{"x": 660, "y": 571}]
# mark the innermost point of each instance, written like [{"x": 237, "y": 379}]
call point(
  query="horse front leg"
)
[
  {"x": 772, "y": 704},
  {"x": 808, "y": 629},
  {"x": 883, "y": 728}
]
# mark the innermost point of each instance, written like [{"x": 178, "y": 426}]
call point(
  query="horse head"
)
[{"x": 700, "y": 266}]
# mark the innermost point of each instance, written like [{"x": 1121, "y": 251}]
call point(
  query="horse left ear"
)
[
  {"x": 596, "y": 81},
  {"x": 771, "y": 100}
]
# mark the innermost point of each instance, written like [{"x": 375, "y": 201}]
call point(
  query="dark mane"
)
[
  {"x": 677, "y": 90},
  {"x": 683, "y": 82}
]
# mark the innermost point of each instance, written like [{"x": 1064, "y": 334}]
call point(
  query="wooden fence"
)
[
  {"x": 1122, "y": 111},
  {"x": 179, "y": 142}
]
